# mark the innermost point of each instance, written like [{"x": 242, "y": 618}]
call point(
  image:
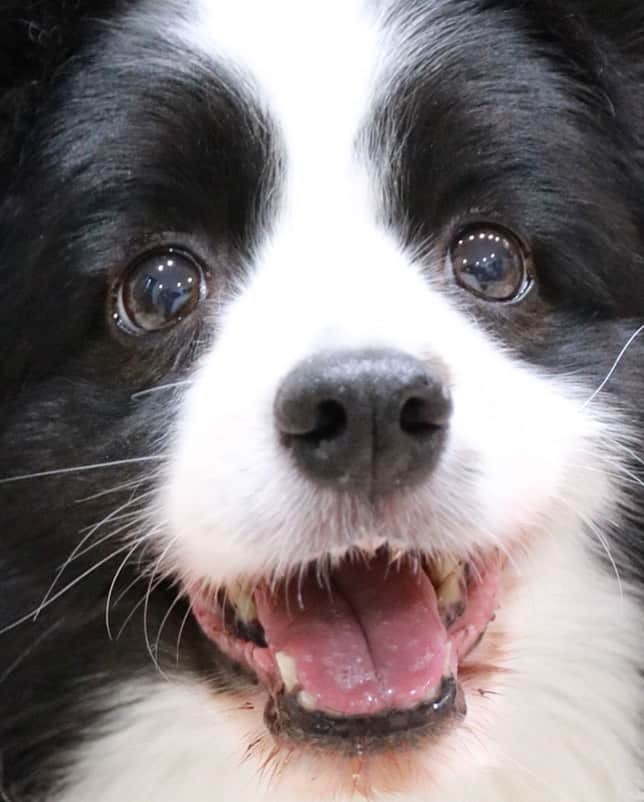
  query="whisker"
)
[
  {"x": 131, "y": 485},
  {"x": 113, "y": 585},
  {"x": 75, "y": 552},
  {"x": 164, "y": 621},
  {"x": 160, "y": 388},
  {"x": 82, "y": 468},
  {"x": 616, "y": 365},
  {"x": 606, "y": 547},
  {"x": 62, "y": 592},
  {"x": 29, "y": 650},
  {"x": 130, "y": 615},
  {"x": 124, "y": 593},
  {"x": 155, "y": 570},
  {"x": 132, "y": 523},
  {"x": 181, "y": 628},
  {"x": 126, "y": 516},
  {"x": 603, "y": 542}
]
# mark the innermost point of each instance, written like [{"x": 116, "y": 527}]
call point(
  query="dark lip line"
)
[{"x": 372, "y": 734}]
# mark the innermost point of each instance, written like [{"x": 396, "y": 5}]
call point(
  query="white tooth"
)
[
  {"x": 307, "y": 701},
  {"x": 241, "y": 598},
  {"x": 245, "y": 607},
  {"x": 287, "y": 670},
  {"x": 447, "y": 665},
  {"x": 441, "y": 567},
  {"x": 451, "y": 589}
]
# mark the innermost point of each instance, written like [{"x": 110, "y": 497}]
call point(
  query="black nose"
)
[{"x": 369, "y": 420}]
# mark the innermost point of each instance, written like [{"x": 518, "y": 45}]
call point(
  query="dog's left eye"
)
[
  {"x": 491, "y": 262},
  {"x": 158, "y": 291}
]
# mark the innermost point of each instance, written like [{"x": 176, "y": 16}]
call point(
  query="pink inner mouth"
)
[{"x": 375, "y": 638}]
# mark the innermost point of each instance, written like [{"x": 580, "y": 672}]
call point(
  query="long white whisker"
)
[
  {"x": 146, "y": 607},
  {"x": 181, "y": 628},
  {"x": 126, "y": 516},
  {"x": 62, "y": 592},
  {"x": 135, "y": 607},
  {"x": 75, "y": 552},
  {"x": 160, "y": 388},
  {"x": 31, "y": 648},
  {"x": 604, "y": 543},
  {"x": 113, "y": 585},
  {"x": 617, "y": 363},
  {"x": 124, "y": 592},
  {"x": 606, "y": 547},
  {"x": 82, "y": 468},
  {"x": 163, "y": 623},
  {"x": 131, "y": 524},
  {"x": 131, "y": 485}
]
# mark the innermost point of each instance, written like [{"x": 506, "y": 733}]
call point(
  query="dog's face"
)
[{"x": 330, "y": 295}]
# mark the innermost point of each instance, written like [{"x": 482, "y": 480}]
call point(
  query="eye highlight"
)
[
  {"x": 158, "y": 291},
  {"x": 491, "y": 263}
]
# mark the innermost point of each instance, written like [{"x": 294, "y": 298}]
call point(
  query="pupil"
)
[{"x": 163, "y": 289}]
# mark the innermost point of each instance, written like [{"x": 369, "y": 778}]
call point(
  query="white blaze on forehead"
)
[{"x": 312, "y": 67}]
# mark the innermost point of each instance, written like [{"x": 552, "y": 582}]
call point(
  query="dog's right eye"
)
[{"x": 158, "y": 291}]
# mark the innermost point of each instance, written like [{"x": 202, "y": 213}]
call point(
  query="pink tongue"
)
[{"x": 375, "y": 643}]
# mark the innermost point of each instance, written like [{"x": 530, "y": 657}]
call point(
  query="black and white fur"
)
[{"x": 316, "y": 158}]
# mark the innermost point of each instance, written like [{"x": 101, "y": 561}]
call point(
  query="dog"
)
[{"x": 321, "y": 465}]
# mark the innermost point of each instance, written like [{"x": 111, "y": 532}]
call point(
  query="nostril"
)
[
  {"x": 418, "y": 418},
  {"x": 330, "y": 422}
]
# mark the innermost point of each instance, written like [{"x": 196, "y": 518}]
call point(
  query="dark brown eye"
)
[
  {"x": 158, "y": 291},
  {"x": 491, "y": 263}
]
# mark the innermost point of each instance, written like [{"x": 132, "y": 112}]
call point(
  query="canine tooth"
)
[
  {"x": 442, "y": 567},
  {"x": 307, "y": 701},
  {"x": 288, "y": 671},
  {"x": 447, "y": 665},
  {"x": 245, "y": 607},
  {"x": 241, "y": 598},
  {"x": 451, "y": 589}
]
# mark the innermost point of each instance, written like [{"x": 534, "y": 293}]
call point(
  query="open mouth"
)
[{"x": 362, "y": 655}]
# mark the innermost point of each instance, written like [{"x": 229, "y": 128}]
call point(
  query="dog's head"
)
[{"x": 310, "y": 312}]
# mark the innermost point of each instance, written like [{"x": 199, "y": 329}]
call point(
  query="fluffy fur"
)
[{"x": 317, "y": 160}]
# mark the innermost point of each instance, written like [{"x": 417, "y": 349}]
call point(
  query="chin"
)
[{"x": 321, "y": 426}]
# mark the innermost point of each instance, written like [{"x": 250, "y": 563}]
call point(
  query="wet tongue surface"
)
[{"x": 374, "y": 643}]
